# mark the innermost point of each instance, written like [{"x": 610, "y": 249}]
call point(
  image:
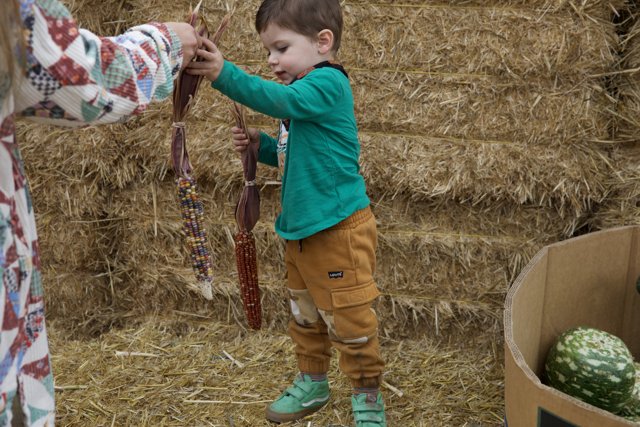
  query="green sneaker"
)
[
  {"x": 368, "y": 413},
  {"x": 304, "y": 397}
]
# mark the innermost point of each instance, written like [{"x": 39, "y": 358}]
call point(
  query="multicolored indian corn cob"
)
[
  {"x": 247, "y": 214},
  {"x": 192, "y": 213},
  {"x": 248, "y": 277}
]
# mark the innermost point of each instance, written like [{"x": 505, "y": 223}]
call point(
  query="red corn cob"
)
[
  {"x": 248, "y": 277},
  {"x": 247, "y": 213}
]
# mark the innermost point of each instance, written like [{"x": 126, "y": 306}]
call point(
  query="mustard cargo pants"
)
[{"x": 331, "y": 286}]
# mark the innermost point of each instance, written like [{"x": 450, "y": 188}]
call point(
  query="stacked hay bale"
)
[
  {"x": 622, "y": 206},
  {"x": 482, "y": 130},
  {"x": 485, "y": 130},
  {"x": 76, "y": 235},
  {"x": 493, "y": 111}
]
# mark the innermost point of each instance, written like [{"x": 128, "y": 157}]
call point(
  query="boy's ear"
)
[{"x": 325, "y": 41}]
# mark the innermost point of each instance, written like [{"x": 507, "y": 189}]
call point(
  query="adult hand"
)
[
  {"x": 190, "y": 40},
  {"x": 210, "y": 63},
  {"x": 241, "y": 140}
]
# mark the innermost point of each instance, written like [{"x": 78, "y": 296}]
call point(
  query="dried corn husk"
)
[{"x": 247, "y": 214}]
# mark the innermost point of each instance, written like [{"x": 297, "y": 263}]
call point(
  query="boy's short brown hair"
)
[{"x": 306, "y": 17}]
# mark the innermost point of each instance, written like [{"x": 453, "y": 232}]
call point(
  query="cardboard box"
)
[{"x": 586, "y": 281}]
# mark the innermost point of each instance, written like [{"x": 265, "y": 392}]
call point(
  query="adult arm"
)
[{"x": 74, "y": 77}]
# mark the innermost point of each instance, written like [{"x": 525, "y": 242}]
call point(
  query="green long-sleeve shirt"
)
[{"x": 321, "y": 182}]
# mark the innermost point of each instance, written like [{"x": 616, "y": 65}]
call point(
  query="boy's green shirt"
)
[{"x": 321, "y": 183}]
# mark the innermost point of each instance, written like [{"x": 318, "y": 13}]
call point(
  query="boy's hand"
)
[
  {"x": 241, "y": 140},
  {"x": 210, "y": 61}
]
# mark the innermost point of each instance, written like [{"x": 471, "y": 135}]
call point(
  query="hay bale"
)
[
  {"x": 550, "y": 167},
  {"x": 532, "y": 112},
  {"x": 508, "y": 136},
  {"x": 429, "y": 258},
  {"x": 446, "y": 267},
  {"x": 506, "y": 39},
  {"x": 567, "y": 178},
  {"x": 151, "y": 268},
  {"x": 92, "y": 157},
  {"x": 622, "y": 206},
  {"x": 75, "y": 243},
  {"x": 599, "y": 8},
  {"x": 550, "y": 107},
  {"x": 455, "y": 251},
  {"x": 79, "y": 301},
  {"x": 628, "y": 84},
  {"x": 110, "y": 158}
]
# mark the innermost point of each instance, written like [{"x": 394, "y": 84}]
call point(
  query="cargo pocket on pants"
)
[{"x": 354, "y": 319}]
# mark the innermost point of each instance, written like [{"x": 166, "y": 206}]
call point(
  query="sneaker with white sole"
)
[
  {"x": 368, "y": 412},
  {"x": 303, "y": 398}
]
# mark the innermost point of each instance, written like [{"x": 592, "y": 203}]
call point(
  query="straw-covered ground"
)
[
  {"x": 195, "y": 371},
  {"x": 488, "y": 128}
]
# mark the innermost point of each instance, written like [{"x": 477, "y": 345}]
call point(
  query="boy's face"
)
[{"x": 290, "y": 53}]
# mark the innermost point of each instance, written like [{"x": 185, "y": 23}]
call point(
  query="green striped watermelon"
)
[{"x": 592, "y": 365}]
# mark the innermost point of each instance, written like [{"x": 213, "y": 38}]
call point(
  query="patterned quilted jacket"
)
[{"x": 72, "y": 77}]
